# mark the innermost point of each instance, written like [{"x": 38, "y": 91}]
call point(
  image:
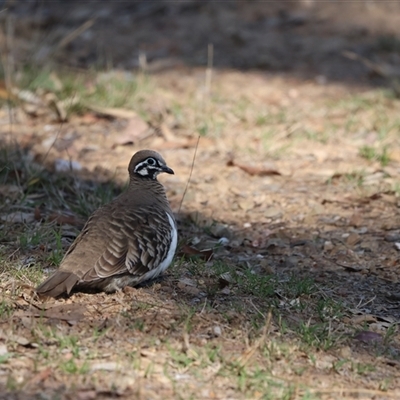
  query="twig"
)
[
  {"x": 245, "y": 358},
  {"x": 52, "y": 145},
  {"x": 74, "y": 34},
  {"x": 257, "y": 309},
  {"x": 190, "y": 175},
  {"x": 360, "y": 304},
  {"x": 384, "y": 70},
  {"x": 204, "y": 306}
]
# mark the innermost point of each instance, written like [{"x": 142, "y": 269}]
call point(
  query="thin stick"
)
[
  {"x": 54, "y": 142},
  {"x": 75, "y": 33},
  {"x": 244, "y": 358},
  {"x": 190, "y": 175}
]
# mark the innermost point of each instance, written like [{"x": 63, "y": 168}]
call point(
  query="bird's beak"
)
[{"x": 168, "y": 170}]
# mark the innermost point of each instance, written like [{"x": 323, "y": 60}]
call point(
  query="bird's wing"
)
[
  {"x": 150, "y": 244},
  {"x": 78, "y": 264},
  {"x": 136, "y": 243}
]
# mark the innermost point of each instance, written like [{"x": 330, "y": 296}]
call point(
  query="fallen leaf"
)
[
  {"x": 356, "y": 219},
  {"x": 368, "y": 336},
  {"x": 361, "y": 319},
  {"x": 62, "y": 219},
  {"x": 188, "y": 282},
  {"x": 253, "y": 170},
  {"x": 112, "y": 112},
  {"x": 353, "y": 239},
  {"x": 192, "y": 252},
  {"x": 135, "y": 131},
  {"x": 225, "y": 291},
  {"x": 189, "y": 289},
  {"x": 64, "y": 312},
  {"x": 352, "y": 268},
  {"x": 23, "y": 341}
]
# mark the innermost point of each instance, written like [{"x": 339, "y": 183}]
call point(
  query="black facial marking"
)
[{"x": 149, "y": 168}]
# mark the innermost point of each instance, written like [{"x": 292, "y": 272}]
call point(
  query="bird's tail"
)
[{"x": 57, "y": 284}]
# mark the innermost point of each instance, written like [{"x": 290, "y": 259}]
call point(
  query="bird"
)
[{"x": 130, "y": 240}]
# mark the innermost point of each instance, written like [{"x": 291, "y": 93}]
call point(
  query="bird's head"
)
[{"x": 147, "y": 164}]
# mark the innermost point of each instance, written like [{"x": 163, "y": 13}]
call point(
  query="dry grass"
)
[{"x": 276, "y": 314}]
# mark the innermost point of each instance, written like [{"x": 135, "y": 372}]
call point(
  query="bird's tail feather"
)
[{"x": 57, "y": 284}]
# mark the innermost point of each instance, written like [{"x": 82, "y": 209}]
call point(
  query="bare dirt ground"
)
[{"x": 286, "y": 281}]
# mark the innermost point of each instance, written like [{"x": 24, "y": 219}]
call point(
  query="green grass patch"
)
[
  {"x": 373, "y": 154},
  {"x": 79, "y": 90}
]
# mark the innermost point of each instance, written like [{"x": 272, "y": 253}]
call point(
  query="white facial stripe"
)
[{"x": 143, "y": 172}]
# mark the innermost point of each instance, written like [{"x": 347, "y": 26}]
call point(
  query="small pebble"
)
[
  {"x": 328, "y": 245},
  {"x": 61, "y": 165},
  {"x": 224, "y": 241},
  {"x": 217, "y": 331}
]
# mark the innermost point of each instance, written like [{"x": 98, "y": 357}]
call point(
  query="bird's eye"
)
[{"x": 151, "y": 161}]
